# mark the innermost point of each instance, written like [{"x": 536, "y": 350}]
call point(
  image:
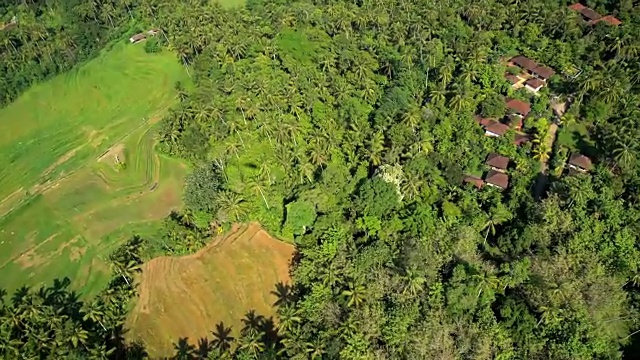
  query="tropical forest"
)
[{"x": 320, "y": 179}]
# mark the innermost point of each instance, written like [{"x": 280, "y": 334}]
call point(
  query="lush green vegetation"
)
[
  {"x": 42, "y": 38},
  {"x": 347, "y": 126},
  {"x": 78, "y": 167}
]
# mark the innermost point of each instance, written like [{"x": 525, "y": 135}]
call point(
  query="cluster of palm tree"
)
[
  {"x": 55, "y": 322},
  {"x": 39, "y": 45},
  {"x": 259, "y": 337},
  {"x": 307, "y": 99}
]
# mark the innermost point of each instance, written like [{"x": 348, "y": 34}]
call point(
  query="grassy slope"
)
[{"x": 62, "y": 210}]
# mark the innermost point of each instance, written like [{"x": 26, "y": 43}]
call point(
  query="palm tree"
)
[
  {"x": 187, "y": 217},
  {"x": 125, "y": 269},
  {"x": 438, "y": 96},
  {"x": 414, "y": 283},
  {"x": 550, "y": 315},
  {"x": 289, "y": 317},
  {"x": 258, "y": 187},
  {"x": 317, "y": 152},
  {"x": 469, "y": 72},
  {"x": 446, "y": 71},
  {"x": 541, "y": 153},
  {"x": 252, "y": 321},
  {"x": 95, "y": 313},
  {"x": 100, "y": 352},
  {"x": 411, "y": 185},
  {"x": 251, "y": 342},
  {"x": 329, "y": 275},
  {"x": 485, "y": 282},
  {"x": 356, "y": 294},
  {"x": 412, "y": 116},
  {"x": 498, "y": 215},
  {"x": 315, "y": 348},
  {"x": 624, "y": 151},
  {"x": 78, "y": 336},
  {"x": 204, "y": 348},
  {"x": 233, "y": 147},
  {"x": 231, "y": 204},
  {"x": 375, "y": 146},
  {"x": 635, "y": 280}
]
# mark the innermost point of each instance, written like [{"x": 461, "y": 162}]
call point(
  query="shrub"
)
[
  {"x": 202, "y": 187},
  {"x": 152, "y": 46}
]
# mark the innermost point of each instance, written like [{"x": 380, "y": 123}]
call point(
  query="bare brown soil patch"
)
[
  {"x": 9, "y": 202},
  {"x": 114, "y": 152},
  {"x": 33, "y": 258},
  {"x": 187, "y": 296}
]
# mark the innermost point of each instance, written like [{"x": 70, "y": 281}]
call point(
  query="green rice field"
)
[{"x": 78, "y": 169}]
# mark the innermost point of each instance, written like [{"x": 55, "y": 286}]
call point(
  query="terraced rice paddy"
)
[
  {"x": 66, "y": 199},
  {"x": 185, "y": 297}
]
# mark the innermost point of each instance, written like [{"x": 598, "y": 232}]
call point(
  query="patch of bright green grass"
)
[
  {"x": 574, "y": 136},
  {"x": 65, "y": 200}
]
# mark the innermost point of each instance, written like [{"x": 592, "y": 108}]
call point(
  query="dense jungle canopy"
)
[{"x": 346, "y": 127}]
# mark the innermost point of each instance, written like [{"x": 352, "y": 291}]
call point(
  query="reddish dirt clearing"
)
[{"x": 187, "y": 296}]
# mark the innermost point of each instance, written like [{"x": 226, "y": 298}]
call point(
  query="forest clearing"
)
[
  {"x": 182, "y": 297},
  {"x": 66, "y": 200}
]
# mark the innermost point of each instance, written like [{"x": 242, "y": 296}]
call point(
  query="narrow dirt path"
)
[
  {"x": 543, "y": 176},
  {"x": 548, "y": 142}
]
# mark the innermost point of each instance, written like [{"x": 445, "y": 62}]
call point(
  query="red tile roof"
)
[
  {"x": 576, "y": 7},
  {"x": 476, "y": 181},
  {"x": 580, "y": 161},
  {"x": 497, "y": 178},
  {"x": 544, "y": 72},
  {"x": 497, "y": 161},
  {"x": 534, "y": 83},
  {"x": 496, "y": 128},
  {"x": 590, "y": 14},
  {"x": 483, "y": 121},
  {"x": 524, "y": 62},
  {"x": 609, "y": 19},
  {"x": 519, "y": 106},
  {"x": 512, "y": 78}
]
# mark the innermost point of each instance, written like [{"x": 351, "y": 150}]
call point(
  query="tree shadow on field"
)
[
  {"x": 223, "y": 342},
  {"x": 252, "y": 321},
  {"x": 126, "y": 350},
  {"x": 183, "y": 350},
  {"x": 268, "y": 327},
  {"x": 222, "y": 338},
  {"x": 295, "y": 260},
  {"x": 284, "y": 294},
  {"x": 204, "y": 348}
]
